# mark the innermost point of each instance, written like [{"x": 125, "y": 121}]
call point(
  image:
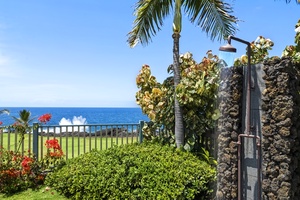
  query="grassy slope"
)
[{"x": 35, "y": 195}]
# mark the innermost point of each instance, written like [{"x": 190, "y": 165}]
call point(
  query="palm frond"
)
[
  {"x": 149, "y": 19},
  {"x": 24, "y": 117},
  {"x": 288, "y": 1},
  {"x": 17, "y": 119},
  {"x": 213, "y": 17}
]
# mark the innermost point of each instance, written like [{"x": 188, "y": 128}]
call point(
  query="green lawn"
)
[
  {"x": 71, "y": 146},
  {"x": 39, "y": 194}
]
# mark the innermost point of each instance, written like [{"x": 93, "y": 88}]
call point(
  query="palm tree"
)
[
  {"x": 213, "y": 16},
  {"x": 22, "y": 125},
  {"x": 24, "y": 118}
]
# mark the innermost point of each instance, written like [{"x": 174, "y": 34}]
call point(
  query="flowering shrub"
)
[
  {"x": 195, "y": 93},
  {"x": 19, "y": 171},
  {"x": 259, "y": 51},
  {"x": 54, "y": 156}
]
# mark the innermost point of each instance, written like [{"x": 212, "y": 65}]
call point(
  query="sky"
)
[{"x": 74, "y": 53}]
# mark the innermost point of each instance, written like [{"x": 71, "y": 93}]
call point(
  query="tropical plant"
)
[
  {"x": 53, "y": 160},
  {"x": 294, "y": 50},
  {"x": 18, "y": 172},
  {"x": 196, "y": 92},
  {"x": 259, "y": 51},
  {"x": 24, "y": 118},
  {"x": 21, "y": 170},
  {"x": 213, "y": 16},
  {"x": 261, "y": 46},
  {"x": 22, "y": 124}
]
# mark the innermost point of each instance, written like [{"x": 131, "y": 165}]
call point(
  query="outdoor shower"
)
[{"x": 249, "y": 129}]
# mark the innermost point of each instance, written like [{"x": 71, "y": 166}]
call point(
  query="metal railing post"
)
[
  {"x": 35, "y": 140},
  {"x": 141, "y": 131}
]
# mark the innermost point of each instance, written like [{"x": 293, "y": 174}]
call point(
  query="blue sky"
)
[{"x": 73, "y": 53}]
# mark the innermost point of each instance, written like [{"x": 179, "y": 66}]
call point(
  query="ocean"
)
[{"x": 77, "y": 116}]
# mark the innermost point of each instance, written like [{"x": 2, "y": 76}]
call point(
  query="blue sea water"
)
[{"x": 86, "y": 115}]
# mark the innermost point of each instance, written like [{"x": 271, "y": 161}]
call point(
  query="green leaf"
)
[{"x": 216, "y": 115}]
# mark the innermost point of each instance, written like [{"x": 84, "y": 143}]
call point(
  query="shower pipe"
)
[{"x": 249, "y": 129}]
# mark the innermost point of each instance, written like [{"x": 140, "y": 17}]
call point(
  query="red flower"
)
[
  {"x": 57, "y": 153},
  {"x": 26, "y": 164},
  {"x": 45, "y": 118},
  {"x": 52, "y": 144},
  {"x": 11, "y": 172},
  {"x": 1, "y": 123},
  {"x": 40, "y": 177},
  {"x": 15, "y": 158}
]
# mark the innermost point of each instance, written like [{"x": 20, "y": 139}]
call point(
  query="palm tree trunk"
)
[{"x": 179, "y": 128}]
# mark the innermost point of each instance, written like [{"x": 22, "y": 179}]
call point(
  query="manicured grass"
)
[
  {"x": 38, "y": 194},
  {"x": 71, "y": 146}
]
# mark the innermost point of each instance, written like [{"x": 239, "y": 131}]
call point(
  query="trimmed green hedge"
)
[{"x": 136, "y": 171}]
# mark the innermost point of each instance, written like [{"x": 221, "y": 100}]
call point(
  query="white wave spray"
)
[{"x": 75, "y": 121}]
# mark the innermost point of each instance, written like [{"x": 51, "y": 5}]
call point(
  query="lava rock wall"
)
[
  {"x": 280, "y": 130},
  {"x": 228, "y": 127}
]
